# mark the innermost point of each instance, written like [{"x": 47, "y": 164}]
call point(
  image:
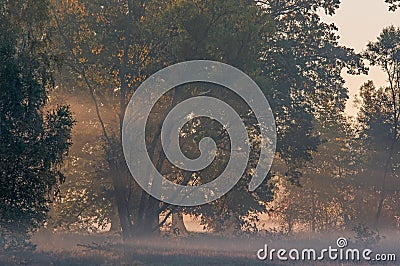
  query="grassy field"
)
[{"x": 197, "y": 249}]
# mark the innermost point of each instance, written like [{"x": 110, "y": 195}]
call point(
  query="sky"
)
[{"x": 361, "y": 21}]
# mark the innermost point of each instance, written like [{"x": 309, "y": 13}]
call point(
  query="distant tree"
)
[
  {"x": 32, "y": 144},
  {"x": 385, "y": 112},
  {"x": 325, "y": 198},
  {"x": 378, "y": 178}
]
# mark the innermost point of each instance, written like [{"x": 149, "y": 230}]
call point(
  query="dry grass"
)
[{"x": 198, "y": 249}]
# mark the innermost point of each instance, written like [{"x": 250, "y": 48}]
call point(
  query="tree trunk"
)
[
  {"x": 379, "y": 209},
  {"x": 148, "y": 217},
  {"x": 231, "y": 226},
  {"x": 115, "y": 222},
  {"x": 122, "y": 207},
  {"x": 178, "y": 225},
  {"x": 313, "y": 212}
]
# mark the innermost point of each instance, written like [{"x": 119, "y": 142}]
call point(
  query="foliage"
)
[
  {"x": 32, "y": 144},
  {"x": 394, "y": 4},
  {"x": 304, "y": 61},
  {"x": 325, "y": 200},
  {"x": 380, "y": 113}
]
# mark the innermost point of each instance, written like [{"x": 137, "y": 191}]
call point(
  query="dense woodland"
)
[{"x": 69, "y": 68}]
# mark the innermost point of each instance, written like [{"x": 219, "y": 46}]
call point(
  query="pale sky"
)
[{"x": 361, "y": 21}]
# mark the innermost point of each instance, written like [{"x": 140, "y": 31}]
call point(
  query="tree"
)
[
  {"x": 378, "y": 174},
  {"x": 32, "y": 144},
  {"x": 385, "y": 52},
  {"x": 111, "y": 47},
  {"x": 299, "y": 69},
  {"x": 379, "y": 171},
  {"x": 303, "y": 62},
  {"x": 327, "y": 195},
  {"x": 106, "y": 46}
]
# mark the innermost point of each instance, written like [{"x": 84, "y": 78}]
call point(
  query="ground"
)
[{"x": 197, "y": 249}]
